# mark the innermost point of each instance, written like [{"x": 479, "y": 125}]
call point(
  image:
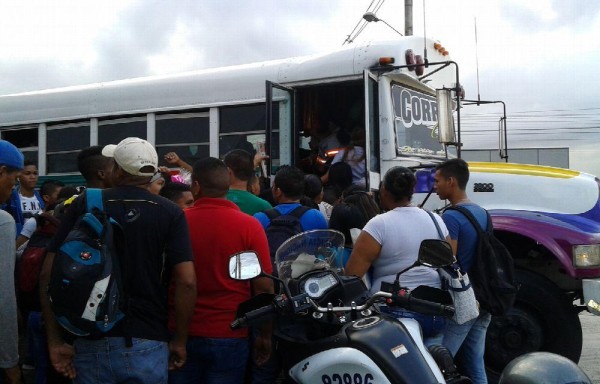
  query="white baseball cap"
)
[{"x": 132, "y": 154}]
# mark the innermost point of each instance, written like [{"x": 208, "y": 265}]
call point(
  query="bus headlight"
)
[{"x": 586, "y": 256}]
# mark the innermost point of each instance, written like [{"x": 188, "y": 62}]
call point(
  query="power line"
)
[{"x": 362, "y": 23}]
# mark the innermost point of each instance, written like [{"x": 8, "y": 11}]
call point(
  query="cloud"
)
[{"x": 549, "y": 14}]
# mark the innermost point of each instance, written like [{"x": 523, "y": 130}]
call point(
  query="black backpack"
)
[
  {"x": 85, "y": 286},
  {"x": 492, "y": 273},
  {"x": 283, "y": 227}
]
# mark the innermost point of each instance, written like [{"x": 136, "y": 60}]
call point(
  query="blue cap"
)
[{"x": 10, "y": 155}]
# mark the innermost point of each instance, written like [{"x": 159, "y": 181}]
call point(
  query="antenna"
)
[
  {"x": 476, "y": 59},
  {"x": 424, "y": 37}
]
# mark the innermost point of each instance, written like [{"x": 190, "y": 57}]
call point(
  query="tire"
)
[{"x": 543, "y": 319}]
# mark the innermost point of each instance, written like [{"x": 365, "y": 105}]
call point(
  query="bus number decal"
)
[{"x": 347, "y": 378}]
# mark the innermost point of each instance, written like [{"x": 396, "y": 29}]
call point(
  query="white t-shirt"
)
[
  {"x": 29, "y": 227},
  {"x": 400, "y": 232},
  {"x": 30, "y": 206},
  {"x": 356, "y": 161}
]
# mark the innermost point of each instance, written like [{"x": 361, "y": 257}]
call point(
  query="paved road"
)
[{"x": 590, "y": 356}]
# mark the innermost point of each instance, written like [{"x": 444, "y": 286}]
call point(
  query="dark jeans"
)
[
  {"x": 109, "y": 360},
  {"x": 213, "y": 361}
]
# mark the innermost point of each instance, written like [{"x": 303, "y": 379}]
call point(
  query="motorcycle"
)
[{"x": 330, "y": 330}]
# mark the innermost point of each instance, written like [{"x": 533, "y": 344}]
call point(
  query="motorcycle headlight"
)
[{"x": 586, "y": 256}]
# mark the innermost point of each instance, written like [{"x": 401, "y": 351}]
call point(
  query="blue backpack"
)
[{"x": 85, "y": 286}]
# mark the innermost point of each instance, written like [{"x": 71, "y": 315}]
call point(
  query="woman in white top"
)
[{"x": 390, "y": 243}]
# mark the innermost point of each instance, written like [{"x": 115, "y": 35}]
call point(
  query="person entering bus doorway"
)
[{"x": 354, "y": 156}]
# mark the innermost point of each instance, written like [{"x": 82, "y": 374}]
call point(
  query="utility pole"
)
[{"x": 408, "y": 13}]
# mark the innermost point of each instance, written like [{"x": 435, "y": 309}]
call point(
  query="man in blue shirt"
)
[
  {"x": 468, "y": 339},
  {"x": 288, "y": 188}
]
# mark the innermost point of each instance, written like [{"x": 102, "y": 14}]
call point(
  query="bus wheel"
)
[{"x": 542, "y": 319}]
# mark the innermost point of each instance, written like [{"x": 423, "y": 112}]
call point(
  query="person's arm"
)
[
  {"x": 173, "y": 159},
  {"x": 28, "y": 228},
  {"x": 453, "y": 227},
  {"x": 13, "y": 375},
  {"x": 365, "y": 252},
  {"x": 61, "y": 354},
  {"x": 184, "y": 279},
  {"x": 262, "y": 344},
  {"x": 21, "y": 240},
  {"x": 9, "y": 343}
]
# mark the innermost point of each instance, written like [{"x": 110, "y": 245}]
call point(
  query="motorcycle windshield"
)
[{"x": 310, "y": 250}]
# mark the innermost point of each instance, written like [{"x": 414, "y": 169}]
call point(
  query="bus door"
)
[
  {"x": 372, "y": 153},
  {"x": 280, "y": 139}
]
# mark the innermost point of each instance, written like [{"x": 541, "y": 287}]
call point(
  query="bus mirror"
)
[{"x": 445, "y": 117}]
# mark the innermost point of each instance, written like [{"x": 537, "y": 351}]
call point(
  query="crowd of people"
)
[{"x": 181, "y": 231}]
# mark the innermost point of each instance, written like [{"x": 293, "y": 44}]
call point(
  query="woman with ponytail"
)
[{"x": 390, "y": 243}]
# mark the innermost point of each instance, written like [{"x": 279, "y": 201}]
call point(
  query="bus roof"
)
[{"x": 198, "y": 89}]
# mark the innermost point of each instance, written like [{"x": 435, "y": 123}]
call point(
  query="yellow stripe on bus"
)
[{"x": 522, "y": 169}]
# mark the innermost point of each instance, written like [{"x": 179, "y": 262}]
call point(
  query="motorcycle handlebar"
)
[
  {"x": 252, "y": 316},
  {"x": 406, "y": 301},
  {"x": 429, "y": 307}
]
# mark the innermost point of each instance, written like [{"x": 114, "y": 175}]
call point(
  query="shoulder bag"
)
[{"x": 457, "y": 283}]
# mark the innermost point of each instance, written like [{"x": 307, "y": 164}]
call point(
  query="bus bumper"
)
[{"x": 591, "y": 295}]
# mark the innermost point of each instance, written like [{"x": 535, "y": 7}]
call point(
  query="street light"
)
[{"x": 370, "y": 16}]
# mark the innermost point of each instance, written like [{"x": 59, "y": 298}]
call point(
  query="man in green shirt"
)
[{"x": 241, "y": 168}]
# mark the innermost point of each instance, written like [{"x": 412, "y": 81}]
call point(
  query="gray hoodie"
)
[{"x": 9, "y": 354}]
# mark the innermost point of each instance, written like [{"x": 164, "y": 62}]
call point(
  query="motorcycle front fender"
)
[{"x": 338, "y": 365}]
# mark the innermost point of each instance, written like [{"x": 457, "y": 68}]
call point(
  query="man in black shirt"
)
[{"x": 157, "y": 251}]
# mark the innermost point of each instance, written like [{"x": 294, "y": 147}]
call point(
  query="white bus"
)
[
  {"x": 209, "y": 112},
  {"x": 549, "y": 218}
]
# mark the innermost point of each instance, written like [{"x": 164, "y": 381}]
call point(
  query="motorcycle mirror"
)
[
  {"x": 435, "y": 253},
  {"x": 244, "y": 266}
]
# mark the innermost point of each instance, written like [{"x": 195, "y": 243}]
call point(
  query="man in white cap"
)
[
  {"x": 11, "y": 162},
  {"x": 157, "y": 247}
]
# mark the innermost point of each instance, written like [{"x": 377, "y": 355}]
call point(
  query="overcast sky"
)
[{"x": 541, "y": 57}]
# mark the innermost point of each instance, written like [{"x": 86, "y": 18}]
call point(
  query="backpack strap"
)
[
  {"x": 437, "y": 226},
  {"x": 472, "y": 218},
  {"x": 93, "y": 198},
  {"x": 299, "y": 211},
  {"x": 272, "y": 213}
]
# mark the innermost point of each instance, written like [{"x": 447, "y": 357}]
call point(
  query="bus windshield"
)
[{"x": 415, "y": 122}]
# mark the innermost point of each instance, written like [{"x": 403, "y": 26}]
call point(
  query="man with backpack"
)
[
  {"x": 287, "y": 219},
  {"x": 154, "y": 251},
  {"x": 451, "y": 179}
]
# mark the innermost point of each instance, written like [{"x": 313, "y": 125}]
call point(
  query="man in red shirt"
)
[{"x": 218, "y": 229}]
